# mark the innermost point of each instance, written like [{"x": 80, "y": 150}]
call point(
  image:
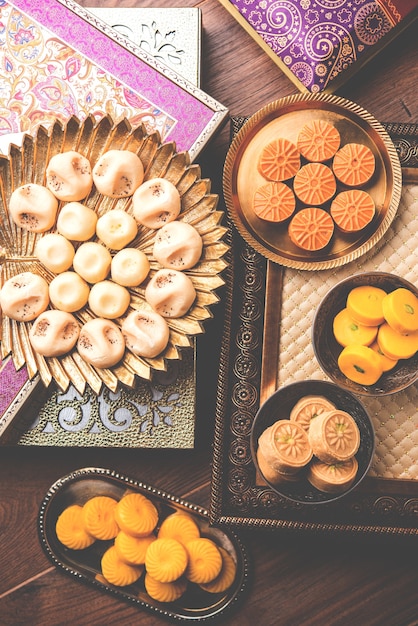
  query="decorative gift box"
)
[{"x": 319, "y": 44}]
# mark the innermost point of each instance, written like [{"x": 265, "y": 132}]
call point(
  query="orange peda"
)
[
  {"x": 166, "y": 559},
  {"x": 354, "y": 164},
  {"x": 99, "y": 517},
  {"x": 279, "y": 160},
  {"x": 180, "y": 526},
  {"x": 132, "y": 550},
  {"x": 136, "y": 515},
  {"x": 226, "y": 576},
  {"x": 318, "y": 140},
  {"x": 352, "y": 210},
  {"x": 165, "y": 592},
  {"x": 70, "y": 529},
  {"x": 118, "y": 573},
  {"x": 204, "y": 560},
  {"x": 314, "y": 184},
  {"x": 311, "y": 229},
  {"x": 274, "y": 202}
]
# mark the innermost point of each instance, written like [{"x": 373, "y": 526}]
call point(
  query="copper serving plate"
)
[
  {"x": 84, "y": 565},
  {"x": 198, "y": 207},
  {"x": 285, "y": 118}
]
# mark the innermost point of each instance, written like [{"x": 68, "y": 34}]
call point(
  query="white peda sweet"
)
[
  {"x": 129, "y": 267},
  {"x": 146, "y": 333},
  {"x": 92, "y": 261},
  {"x": 69, "y": 292},
  {"x": 108, "y": 299},
  {"x": 178, "y": 245},
  {"x": 118, "y": 173},
  {"x": 33, "y": 207},
  {"x": 54, "y": 333},
  {"x": 170, "y": 293},
  {"x": 101, "y": 343},
  {"x": 156, "y": 202},
  {"x": 68, "y": 176},
  {"x": 55, "y": 252},
  {"x": 77, "y": 222},
  {"x": 24, "y": 296},
  {"x": 116, "y": 229}
]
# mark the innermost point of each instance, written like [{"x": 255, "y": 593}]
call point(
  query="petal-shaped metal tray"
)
[
  {"x": 285, "y": 118},
  {"x": 84, "y": 565}
]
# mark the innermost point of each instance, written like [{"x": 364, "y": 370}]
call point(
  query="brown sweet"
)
[
  {"x": 179, "y": 526},
  {"x": 165, "y": 592},
  {"x": 118, "y": 573},
  {"x": 352, "y": 210},
  {"x": 99, "y": 517},
  {"x": 311, "y": 229},
  {"x": 33, "y": 207},
  {"x": 118, "y": 173},
  {"x": 285, "y": 446},
  {"x": 204, "y": 560},
  {"x": 132, "y": 550},
  {"x": 334, "y": 436},
  {"x": 314, "y": 184},
  {"x": 279, "y": 160},
  {"x": 308, "y": 408},
  {"x": 271, "y": 474},
  {"x": 318, "y": 140},
  {"x": 136, "y": 515},
  {"x": 166, "y": 560},
  {"x": 24, "y": 296},
  {"x": 274, "y": 202},
  {"x": 226, "y": 576},
  {"x": 354, "y": 164},
  {"x": 332, "y": 478},
  {"x": 70, "y": 529},
  {"x": 54, "y": 333},
  {"x": 68, "y": 176}
]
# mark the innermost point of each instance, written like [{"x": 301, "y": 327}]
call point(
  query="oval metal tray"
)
[{"x": 84, "y": 565}]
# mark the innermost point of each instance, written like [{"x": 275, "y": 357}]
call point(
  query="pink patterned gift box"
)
[{"x": 319, "y": 44}]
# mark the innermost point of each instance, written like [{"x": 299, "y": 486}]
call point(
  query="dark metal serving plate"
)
[
  {"x": 84, "y": 565},
  {"x": 379, "y": 507}
]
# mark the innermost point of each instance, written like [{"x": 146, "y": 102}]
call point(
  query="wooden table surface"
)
[{"x": 296, "y": 580}]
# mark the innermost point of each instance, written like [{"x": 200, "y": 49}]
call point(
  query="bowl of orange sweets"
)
[
  {"x": 142, "y": 545},
  {"x": 365, "y": 333}
]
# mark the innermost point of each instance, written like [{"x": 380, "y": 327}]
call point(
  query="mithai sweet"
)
[
  {"x": 271, "y": 474},
  {"x": 204, "y": 560},
  {"x": 68, "y": 176},
  {"x": 108, "y": 299},
  {"x": 166, "y": 560},
  {"x": 33, "y": 207},
  {"x": 274, "y": 202},
  {"x": 132, "y": 550},
  {"x": 69, "y": 292},
  {"x": 334, "y": 477},
  {"x": 178, "y": 245},
  {"x": 226, "y": 576},
  {"x": 347, "y": 331},
  {"x": 92, "y": 261},
  {"x": 136, "y": 515},
  {"x": 311, "y": 229},
  {"x": 118, "y": 173},
  {"x": 70, "y": 529},
  {"x": 101, "y": 343},
  {"x": 170, "y": 293},
  {"x": 99, "y": 517},
  {"x": 24, "y": 296},
  {"x": 334, "y": 436},
  {"x": 354, "y": 164},
  {"x": 365, "y": 304},
  {"x": 76, "y": 221},
  {"x": 394, "y": 345},
  {"x": 165, "y": 592},
  {"x": 118, "y": 573},
  {"x": 360, "y": 364},
  {"x": 146, "y": 333},
  {"x": 129, "y": 267},
  {"x": 318, "y": 140},
  {"x": 314, "y": 184},
  {"x": 179, "y": 526},
  {"x": 285, "y": 446},
  {"x": 279, "y": 160},
  {"x": 156, "y": 202},
  {"x": 55, "y": 252},
  {"x": 400, "y": 310},
  {"x": 116, "y": 229},
  {"x": 352, "y": 210},
  {"x": 386, "y": 362},
  {"x": 308, "y": 408},
  {"x": 54, "y": 333}
]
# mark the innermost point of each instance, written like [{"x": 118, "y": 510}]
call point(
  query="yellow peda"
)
[
  {"x": 180, "y": 526},
  {"x": 118, "y": 573},
  {"x": 279, "y": 160},
  {"x": 205, "y": 560},
  {"x": 318, "y": 140},
  {"x": 132, "y": 550},
  {"x": 99, "y": 517},
  {"x": 226, "y": 576},
  {"x": 166, "y": 559},
  {"x": 165, "y": 592},
  {"x": 70, "y": 529},
  {"x": 136, "y": 515}
]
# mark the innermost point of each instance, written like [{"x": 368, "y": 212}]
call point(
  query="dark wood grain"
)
[{"x": 296, "y": 580}]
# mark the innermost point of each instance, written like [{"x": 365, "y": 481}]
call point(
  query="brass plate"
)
[
  {"x": 284, "y": 118},
  {"x": 198, "y": 206}
]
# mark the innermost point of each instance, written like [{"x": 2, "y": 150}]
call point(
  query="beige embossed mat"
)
[{"x": 395, "y": 417}]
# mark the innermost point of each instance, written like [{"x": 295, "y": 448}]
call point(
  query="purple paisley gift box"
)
[{"x": 319, "y": 44}]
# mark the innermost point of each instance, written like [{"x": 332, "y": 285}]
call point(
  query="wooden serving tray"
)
[{"x": 248, "y": 375}]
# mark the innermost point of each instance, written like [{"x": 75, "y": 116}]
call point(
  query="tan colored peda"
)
[
  {"x": 308, "y": 408},
  {"x": 272, "y": 475},
  {"x": 285, "y": 446},
  {"x": 334, "y": 436},
  {"x": 332, "y": 477}
]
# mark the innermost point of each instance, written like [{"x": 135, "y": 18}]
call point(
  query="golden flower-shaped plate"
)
[
  {"x": 284, "y": 118},
  {"x": 198, "y": 207}
]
